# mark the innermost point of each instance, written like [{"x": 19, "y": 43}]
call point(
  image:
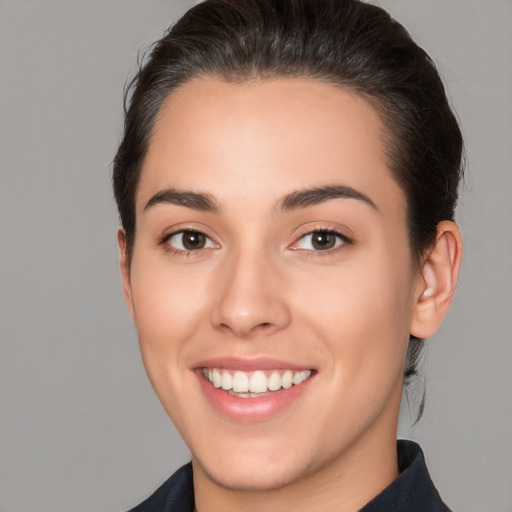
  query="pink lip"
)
[
  {"x": 250, "y": 364},
  {"x": 250, "y": 409}
]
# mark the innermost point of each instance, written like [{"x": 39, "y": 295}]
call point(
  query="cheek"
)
[
  {"x": 169, "y": 305},
  {"x": 362, "y": 312}
]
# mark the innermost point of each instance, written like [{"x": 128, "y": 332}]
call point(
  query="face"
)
[{"x": 272, "y": 283}]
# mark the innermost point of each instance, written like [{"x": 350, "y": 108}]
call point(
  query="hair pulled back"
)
[{"x": 348, "y": 43}]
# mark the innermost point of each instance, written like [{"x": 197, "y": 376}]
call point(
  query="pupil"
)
[
  {"x": 193, "y": 240},
  {"x": 323, "y": 240}
]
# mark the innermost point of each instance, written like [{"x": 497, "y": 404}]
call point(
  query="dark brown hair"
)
[{"x": 348, "y": 43}]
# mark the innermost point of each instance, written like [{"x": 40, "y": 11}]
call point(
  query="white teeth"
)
[
  {"x": 227, "y": 381},
  {"x": 216, "y": 378},
  {"x": 301, "y": 376},
  {"x": 240, "y": 382},
  {"x": 254, "y": 382},
  {"x": 274, "y": 381},
  {"x": 287, "y": 379},
  {"x": 258, "y": 383}
]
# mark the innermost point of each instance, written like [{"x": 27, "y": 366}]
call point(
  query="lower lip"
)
[{"x": 250, "y": 409}]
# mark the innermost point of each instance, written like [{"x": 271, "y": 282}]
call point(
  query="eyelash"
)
[
  {"x": 342, "y": 241},
  {"x": 184, "y": 252}
]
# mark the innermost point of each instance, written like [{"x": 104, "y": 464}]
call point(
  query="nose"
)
[{"x": 251, "y": 297}]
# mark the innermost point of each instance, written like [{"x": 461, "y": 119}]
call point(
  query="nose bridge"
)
[{"x": 251, "y": 299}]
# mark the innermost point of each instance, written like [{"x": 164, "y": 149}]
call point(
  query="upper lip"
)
[{"x": 250, "y": 364}]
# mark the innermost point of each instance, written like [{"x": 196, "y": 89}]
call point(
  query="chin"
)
[
  {"x": 250, "y": 460},
  {"x": 253, "y": 476}
]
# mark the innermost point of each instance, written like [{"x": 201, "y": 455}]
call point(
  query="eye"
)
[
  {"x": 188, "y": 240},
  {"x": 321, "y": 240}
]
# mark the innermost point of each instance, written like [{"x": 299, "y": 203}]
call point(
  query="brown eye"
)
[
  {"x": 193, "y": 240},
  {"x": 323, "y": 240},
  {"x": 189, "y": 240}
]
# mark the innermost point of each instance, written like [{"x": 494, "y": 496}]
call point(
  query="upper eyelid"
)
[
  {"x": 347, "y": 239},
  {"x": 337, "y": 232},
  {"x": 183, "y": 228},
  {"x": 323, "y": 230}
]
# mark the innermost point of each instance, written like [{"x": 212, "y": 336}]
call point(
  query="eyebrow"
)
[
  {"x": 314, "y": 196},
  {"x": 295, "y": 200},
  {"x": 194, "y": 200}
]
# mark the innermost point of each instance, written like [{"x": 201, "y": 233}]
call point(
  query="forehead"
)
[{"x": 264, "y": 138}]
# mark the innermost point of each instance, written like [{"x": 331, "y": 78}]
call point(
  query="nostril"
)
[{"x": 247, "y": 331}]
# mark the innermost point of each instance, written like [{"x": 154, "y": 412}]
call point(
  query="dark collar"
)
[
  {"x": 412, "y": 491},
  {"x": 174, "y": 495}
]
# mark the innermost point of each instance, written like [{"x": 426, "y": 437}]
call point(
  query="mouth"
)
[
  {"x": 253, "y": 390},
  {"x": 256, "y": 383}
]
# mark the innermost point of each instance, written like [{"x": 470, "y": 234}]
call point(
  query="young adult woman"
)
[{"x": 286, "y": 186}]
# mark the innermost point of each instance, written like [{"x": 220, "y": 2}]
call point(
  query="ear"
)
[
  {"x": 435, "y": 288},
  {"x": 124, "y": 266}
]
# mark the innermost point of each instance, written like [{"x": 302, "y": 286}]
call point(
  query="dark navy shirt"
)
[{"x": 412, "y": 491}]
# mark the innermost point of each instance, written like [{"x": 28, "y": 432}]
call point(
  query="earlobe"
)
[
  {"x": 124, "y": 266},
  {"x": 438, "y": 278}
]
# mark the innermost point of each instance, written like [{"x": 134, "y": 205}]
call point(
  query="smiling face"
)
[{"x": 272, "y": 259}]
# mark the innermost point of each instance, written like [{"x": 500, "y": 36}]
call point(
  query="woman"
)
[{"x": 286, "y": 185}]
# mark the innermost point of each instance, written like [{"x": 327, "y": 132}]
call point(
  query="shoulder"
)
[{"x": 176, "y": 494}]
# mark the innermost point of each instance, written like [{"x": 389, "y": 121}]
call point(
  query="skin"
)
[{"x": 259, "y": 287}]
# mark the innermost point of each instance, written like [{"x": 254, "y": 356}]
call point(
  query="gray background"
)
[{"x": 80, "y": 429}]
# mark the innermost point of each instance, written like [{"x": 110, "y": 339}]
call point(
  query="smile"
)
[{"x": 255, "y": 383}]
